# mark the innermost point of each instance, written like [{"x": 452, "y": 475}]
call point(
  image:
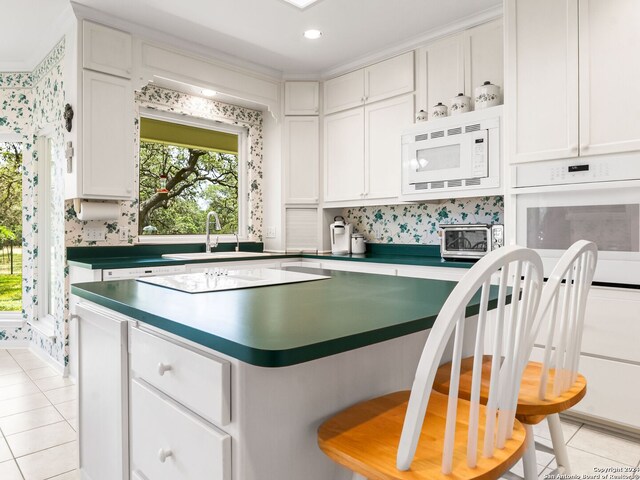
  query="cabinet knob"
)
[
  {"x": 584, "y": 148},
  {"x": 164, "y": 454},
  {"x": 162, "y": 368}
]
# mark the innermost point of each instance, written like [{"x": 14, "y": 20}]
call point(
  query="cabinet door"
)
[
  {"x": 344, "y": 155},
  {"x": 484, "y": 57},
  {"x": 346, "y": 91},
  {"x": 302, "y": 229},
  {"x": 108, "y": 137},
  {"x": 609, "y": 72},
  {"x": 384, "y": 122},
  {"x": 301, "y": 152},
  {"x": 106, "y": 50},
  {"x": 441, "y": 72},
  {"x": 389, "y": 78},
  {"x": 301, "y": 98},
  {"x": 103, "y": 393},
  {"x": 542, "y": 79}
]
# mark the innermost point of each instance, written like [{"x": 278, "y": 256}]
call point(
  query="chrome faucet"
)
[
  {"x": 237, "y": 242},
  {"x": 207, "y": 245}
]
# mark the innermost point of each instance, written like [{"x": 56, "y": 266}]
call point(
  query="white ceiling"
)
[
  {"x": 27, "y": 29},
  {"x": 265, "y": 32}
]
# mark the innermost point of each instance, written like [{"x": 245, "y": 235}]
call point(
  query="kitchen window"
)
[
  {"x": 10, "y": 230},
  {"x": 188, "y": 168}
]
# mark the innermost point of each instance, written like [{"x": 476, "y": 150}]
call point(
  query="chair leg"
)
[
  {"x": 559, "y": 447},
  {"x": 529, "y": 459}
]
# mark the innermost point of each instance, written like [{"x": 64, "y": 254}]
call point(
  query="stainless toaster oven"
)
[{"x": 470, "y": 241}]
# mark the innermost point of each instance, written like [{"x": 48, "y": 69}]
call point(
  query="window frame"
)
[
  {"x": 45, "y": 321},
  {"x": 13, "y": 319},
  {"x": 243, "y": 174}
]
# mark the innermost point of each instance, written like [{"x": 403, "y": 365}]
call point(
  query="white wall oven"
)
[{"x": 550, "y": 218}]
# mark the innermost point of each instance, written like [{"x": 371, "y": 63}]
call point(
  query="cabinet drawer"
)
[
  {"x": 197, "y": 381},
  {"x": 611, "y": 326},
  {"x": 612, "y": 391},
  {"x": 168, "y": 443}
]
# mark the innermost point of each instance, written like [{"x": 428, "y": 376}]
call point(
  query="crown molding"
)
[
  {"x": 411, "y": 44},
  {"x": 83, "y": 12}
]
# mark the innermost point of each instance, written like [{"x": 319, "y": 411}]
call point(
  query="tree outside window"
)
[
  {"x": 10, "y": 227},
  {"x": 180, "y": 183}
]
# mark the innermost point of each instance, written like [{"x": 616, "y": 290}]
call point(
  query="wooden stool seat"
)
[
  {"x": 531, "y": 409},
  {"x": 364, "y": 438}
]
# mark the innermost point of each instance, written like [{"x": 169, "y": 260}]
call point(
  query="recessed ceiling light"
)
[
  {"x": 208, "y": 93},
  {"x": 312, "y": 34},
  {"x": 301, "y": 3}
]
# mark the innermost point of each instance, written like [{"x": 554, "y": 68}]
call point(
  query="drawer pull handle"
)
[
  {"x": 162, "y": 368},
  {"x": 164, "y": 454}
]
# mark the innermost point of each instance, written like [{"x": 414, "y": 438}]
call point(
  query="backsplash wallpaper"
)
[
  {"x": 175, "y": 102},
  {"x": 418, "y": 224}
]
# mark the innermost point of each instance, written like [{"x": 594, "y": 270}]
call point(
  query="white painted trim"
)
[
  {"x": 11, "y": 320},
  {"x": 44, "y": 326},
  {"x": 88, "y": 13},
  {"x": 6, "y": 136},
  {"x": 160, "y": 239},
  {"x": 411, "y": 44},
  {"x": 47, "y": 359},
  {"x": 11, "y": 344}
]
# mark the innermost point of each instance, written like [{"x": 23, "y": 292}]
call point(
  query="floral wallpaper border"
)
[{"x": 418, "y": 224}]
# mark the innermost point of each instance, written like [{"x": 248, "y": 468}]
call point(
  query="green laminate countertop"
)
[
  {"x": 283, "y": 325},
  {"x": 103, "y": 258}
]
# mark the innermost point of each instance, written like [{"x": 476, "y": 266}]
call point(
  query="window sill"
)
[
  {"x": 168, "y": 239},
  {"x": 11, "y": 320},
  {"x": 44, "y": 326}
]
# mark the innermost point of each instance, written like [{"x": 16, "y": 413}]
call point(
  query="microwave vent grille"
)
[
  {"x": 438, "y": 134},
  {"x": 454, "y": 183},
  {"x": 472, "y": 181},
  {"x": 472, "y": 128},
  {"x": 454, "y": 131},
  {"x": 437, "y": 185},
  {"x": 421, "y": 186},
  {"x": 420, "y": 138}
]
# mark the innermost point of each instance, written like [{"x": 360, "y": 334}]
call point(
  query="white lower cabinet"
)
[
  {"x": 170, "y": 443},
  {"x": 201, "y": 383},
  {"x": 103, "y": 393},
  {"x": 360, "y": 267},
  {"x": 179, "y": 396}
]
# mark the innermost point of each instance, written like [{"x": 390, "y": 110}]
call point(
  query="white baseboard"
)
[
  {"x": 50, "y": 361},
  {"x": 9, "y": 344}
]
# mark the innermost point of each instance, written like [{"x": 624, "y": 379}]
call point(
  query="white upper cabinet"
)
[
  {"x": 460, "y": 63},
  {"x": 362, "y": 150},
  {"x": 384, "y": 122},
  {"x": 301, "y": 98},
  {"x": 377, "y": 82},
  {"x": 484, "y": 56},
  {"x": 344, "y": 155},
  {"x": 301, "y": 152},
  {"x": 571, "y": 77},
  {"x": 344, "y": 92},
  {"x": 106, "y": 50},
  {"x": 542, "y": 79},
  {"x": 440, "y": 72},
  {"x": 106, "y": 168},
  {"x": 389, "y": 78},
  {"x": 609, "y": 31}
]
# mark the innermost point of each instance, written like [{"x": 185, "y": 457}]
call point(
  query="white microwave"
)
[{"x": 452, "y": 154}]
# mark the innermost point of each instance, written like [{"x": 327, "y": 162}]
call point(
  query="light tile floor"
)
[
  {"x": 38, "y": 424},
  {"x": 38, "y": 420}
]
